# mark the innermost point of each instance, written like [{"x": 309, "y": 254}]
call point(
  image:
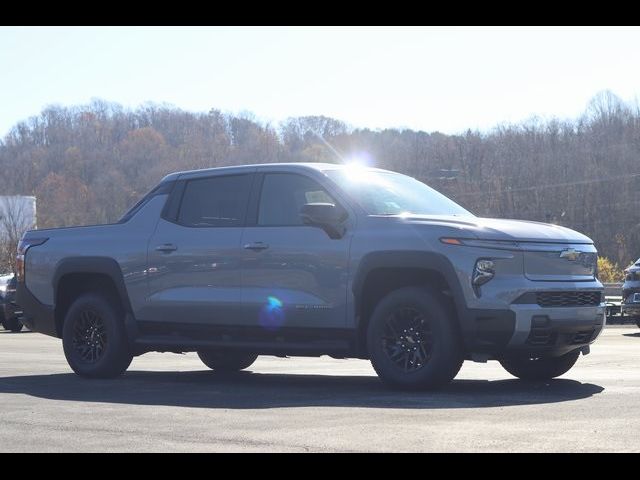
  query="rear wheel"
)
[
  {"x": 540, "y": 368},
  {"x": 412, "y": 341},
  {"x": 226, "y": 361},
  {"x": 94, "y": 339},
  {"x": 14, "y": 324}
]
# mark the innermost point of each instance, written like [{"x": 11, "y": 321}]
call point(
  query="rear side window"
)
[
  {"x": 162, "y": 189},
  {"x": 215, "y": 201},
  {"x": 284, "y": 194}
]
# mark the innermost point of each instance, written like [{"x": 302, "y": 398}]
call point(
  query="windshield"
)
[{"x": 388, "y": 193}]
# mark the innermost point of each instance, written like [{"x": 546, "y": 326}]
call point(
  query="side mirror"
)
[{"x": 327, "y": 216}]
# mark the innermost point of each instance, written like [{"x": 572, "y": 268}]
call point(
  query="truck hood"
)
[{"x": 505, "y": 230}]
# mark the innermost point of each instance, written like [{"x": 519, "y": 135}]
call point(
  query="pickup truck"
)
[{"x": 311, "y": 260}]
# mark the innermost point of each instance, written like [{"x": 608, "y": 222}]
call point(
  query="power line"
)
[{"x": 554, "y": 185}]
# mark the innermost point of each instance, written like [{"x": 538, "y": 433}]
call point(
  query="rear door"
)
[{"x": 195, "y": 254}]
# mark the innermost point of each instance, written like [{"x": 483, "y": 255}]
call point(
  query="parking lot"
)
[{"x": 170, "y": 402}]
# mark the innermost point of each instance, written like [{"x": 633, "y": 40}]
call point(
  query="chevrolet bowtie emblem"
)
[{"x": 570, "y": 254}]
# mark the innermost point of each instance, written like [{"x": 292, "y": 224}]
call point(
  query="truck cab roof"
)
[{"x": 292, "y": 166}]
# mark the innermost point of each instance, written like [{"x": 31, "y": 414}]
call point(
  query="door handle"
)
[
  {"x": 256, "y": 246},
  {"x": 166, "y": 248}
]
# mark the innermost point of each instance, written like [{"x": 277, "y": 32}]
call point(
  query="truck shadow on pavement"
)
[{"x": 247, "y": 390}]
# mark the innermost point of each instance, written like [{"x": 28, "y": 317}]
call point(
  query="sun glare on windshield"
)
[{"x": 387, "y": 193}]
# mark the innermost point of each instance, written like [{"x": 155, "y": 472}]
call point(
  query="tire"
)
[
  {"x": 540, "y": 368},
  {"x": 94, "y": 338},
  {"x": 14, "y": 324},
  {"x": 638, "y": 323},
  {"x": 226, "y": 361},
  {"x": 412, "y": 341}
]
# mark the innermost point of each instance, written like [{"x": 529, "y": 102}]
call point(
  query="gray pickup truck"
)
[{"x": 310, "y": 260}]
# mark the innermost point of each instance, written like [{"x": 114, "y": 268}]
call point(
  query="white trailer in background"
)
[{"x": 17, "y": 213}]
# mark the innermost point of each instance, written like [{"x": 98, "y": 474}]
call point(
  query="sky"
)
[{"x": 443, "y": 79}]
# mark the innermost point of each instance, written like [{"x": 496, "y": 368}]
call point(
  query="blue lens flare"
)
[
  {"x": 272, "y": 315},
  {"x": 274, "y": 302}
]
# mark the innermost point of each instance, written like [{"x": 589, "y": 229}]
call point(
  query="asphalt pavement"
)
[{"x": 168, "y": 402}]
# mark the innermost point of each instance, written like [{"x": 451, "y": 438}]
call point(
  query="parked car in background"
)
[
  {"x": 3, "y": 288},
  {"x": 631, "y": 292},
  {"x": 11, "y": 311},
  {"x": 4, "y": 279},
  {"x": 313, "y": 259}
]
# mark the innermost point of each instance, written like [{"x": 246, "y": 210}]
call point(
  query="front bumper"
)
[
  {"x": 555, "y": 331},
  {"x": 630, "y": 309},
  {"x": 530, "y": 329}
]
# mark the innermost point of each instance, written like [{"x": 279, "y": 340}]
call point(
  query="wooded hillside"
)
[{"x": 87, "y": 164}]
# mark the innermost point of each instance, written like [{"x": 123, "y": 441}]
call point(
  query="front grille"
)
[
  {"x": 547, "y": 336},
  {"x": 541, "y": 337},
  {"x": 568, "y": 299}
]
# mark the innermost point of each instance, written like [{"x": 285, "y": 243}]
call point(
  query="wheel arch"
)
[
  {"x": 78, "y": 275},
  {"x": 382, "y": 272}
]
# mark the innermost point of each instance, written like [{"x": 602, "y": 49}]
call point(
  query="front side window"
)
[
  {"x": 215, "y": 201},
  {"x": 284, "y": 194}
]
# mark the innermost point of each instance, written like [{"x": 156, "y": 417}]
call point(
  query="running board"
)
[{"x": 173, "y": 343}]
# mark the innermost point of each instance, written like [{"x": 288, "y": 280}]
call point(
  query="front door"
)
[
  {"x": 194, "y": 259},
  {"x": 293, "y": 275}
]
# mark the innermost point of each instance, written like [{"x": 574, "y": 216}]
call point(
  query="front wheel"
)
[
  {"x": 544, "y": 368},
  {"x": 14, "y": 324},
  {"x": 94, "y": 338},
  {"x": 226, "y": 361},
  {"x": 412, "y": 340}
]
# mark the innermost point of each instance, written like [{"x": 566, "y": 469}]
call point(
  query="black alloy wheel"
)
[
  {"x": 90, "y": 336},
  {"x": 408, "y": 339},
  {"x": 94, "y": 338},
  {"x": 412, "y": 339}
]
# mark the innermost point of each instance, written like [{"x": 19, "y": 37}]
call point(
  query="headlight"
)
[
  {"x": 483, "y": 272},
  {"x": 474, "y": 242}
]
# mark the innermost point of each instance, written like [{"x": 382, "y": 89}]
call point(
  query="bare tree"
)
[{"x": 16, "y": 217}]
